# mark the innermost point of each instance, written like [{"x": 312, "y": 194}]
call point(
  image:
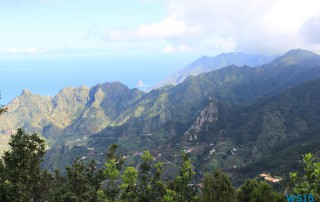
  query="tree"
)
[
  {"x": 112, "y": 173},
  {"x": 217, "y": 187},
  {"x": 112, "y": 170},
  {"x": 310, "y": 182},
  {"x": 45, "y": 188},
  {"x": 144, "y": 188},
  {"x": 170, "y": 196},
  {"x": 59, "y": 187},
  {"x": 182, "y": 184},
  {"x": 245, "y": 191},
  {"x": 3, "y": 109},
  {"x": 253, "y": 191},
  {"x": 158, "y": 187},
  {"x": 80, "y": 184},
  {"x": 129, "y": 184},
  {"x": 94, "y": 176},
  {"x": 20, "y": 167}
]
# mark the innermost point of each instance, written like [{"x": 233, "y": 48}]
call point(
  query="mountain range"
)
[
  {"x": 207, "y": 64},
  {"x": 245, "y": 120}
]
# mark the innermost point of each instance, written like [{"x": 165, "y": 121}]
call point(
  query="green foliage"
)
[
  {"x": 80, "y": 184},
  {"x": 253, "y": 191},
  {"x": 182, "y": 185},
  {"x": 45, "y": 188},
  {"x": 20, "y": 172},
  {"x": 217, "y": 187},
  {"x": 170, "y": 196},
  {"x": 245, "y": 191},
  {"x": 111, "y": 172},
  {"x": 144, "y": 187},
  {"x": 158, "y": 187},
  {"x": 111, "y": 155},
  {"x": 128, "y": 186},
  {"x": 310, "y": 182}
]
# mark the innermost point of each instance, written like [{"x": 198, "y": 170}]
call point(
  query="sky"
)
[{"x": 48, "y": 44}]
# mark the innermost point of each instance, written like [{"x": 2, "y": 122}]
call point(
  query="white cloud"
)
[
  {"x": 311, "y": 30},
  {"x": 168, "y": 49},
  {"x": 225, "y": 43},
  {"x": 169, "y": 28},
  {"x": 24, "y": 51},
  {"x": 172, "y": 48},
  {"x": 263, "y": 26},
  {"x": 270, "y": 26}
]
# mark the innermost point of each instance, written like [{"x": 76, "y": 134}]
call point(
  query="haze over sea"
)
[
  {"x": 49, "y": 44},
  {"x": 48, "y": 75}
]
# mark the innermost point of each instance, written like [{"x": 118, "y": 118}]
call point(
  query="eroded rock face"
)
[
  {"x": 208, "y": 115},
  {"x": 71, "y": 106}
]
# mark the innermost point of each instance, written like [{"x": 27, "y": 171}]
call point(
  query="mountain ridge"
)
[
  {"x": 219, "y": 110},
  {"x": 34, "y": 112},
  {"x": 208, "y": 63},
  {"x": 172, "y": 115}
]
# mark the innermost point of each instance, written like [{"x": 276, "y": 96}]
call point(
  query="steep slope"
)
[
  {"x": 289, "y": 127},
  {"x": 30, "y": 111},
  {"x": 207, "y": 64},
  {"x": 193, "y": 116},
  {"x": 205, "y": 115},
  {"x": 244, "y": 85},
  {"x": 72, "y": 110},
  {"x": 28, "y": 108},
  {"x": 267, "y": 136},
  {"x": 233, "y": 85},
  {"x": 105, "y": 103}
]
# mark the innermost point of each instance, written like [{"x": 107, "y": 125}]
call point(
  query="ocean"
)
[{"x": 48, "y": 75}]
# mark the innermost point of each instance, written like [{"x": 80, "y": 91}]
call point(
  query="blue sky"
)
[{"x": 128, "y": 40}]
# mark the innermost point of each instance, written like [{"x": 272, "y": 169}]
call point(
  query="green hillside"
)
[{"x": 235, "y": 118}]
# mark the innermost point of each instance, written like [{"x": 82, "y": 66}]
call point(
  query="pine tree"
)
[
  {"x": 217, "y": 187},
  {"x": 158, "y": 187},
  {"x": 129, "y": 184},
  {"x": 20, "y": 167},
  {"x": 245, "y": 191},
  {"x": 111, "y": 172},
  {"x": 80, "y": 184},
  {"x": 170, "y": 196},
  {"x": 144, "y": 188},
  {"x": 182, "y": 184},
  {"x": 44, "y": 189},
  {"x": 253, "y": 191}
]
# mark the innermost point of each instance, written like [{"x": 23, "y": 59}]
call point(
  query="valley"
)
[
  {"x": 159, "y": 101},
  {"x": 245, "y": 120}
]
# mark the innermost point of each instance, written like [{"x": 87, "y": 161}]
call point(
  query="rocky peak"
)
[
  {"x": 112, "y": 85},
  {"x": 207, "y": 116},
  {"x": 26, "y": 91},
  {"x": 297, "y": 56}
]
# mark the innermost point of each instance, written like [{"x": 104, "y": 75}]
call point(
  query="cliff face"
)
[
  {"x": 68, "y": 104},
  {"x": 209, "y": 115},
  {"x": 225, "y": 118},
  {"x": 90, "y": 109}
]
